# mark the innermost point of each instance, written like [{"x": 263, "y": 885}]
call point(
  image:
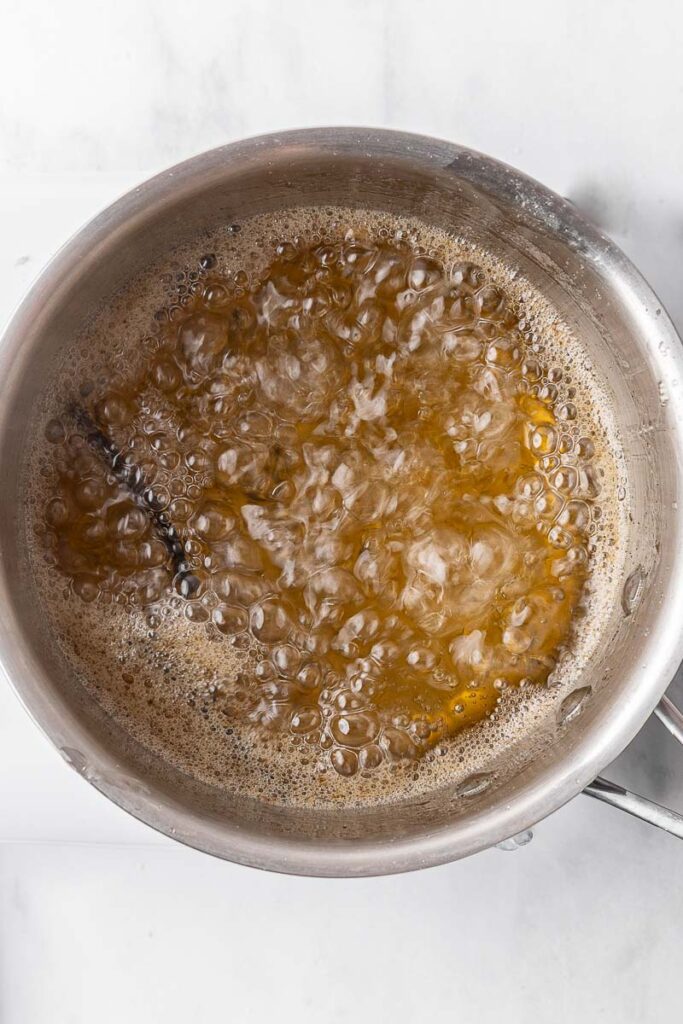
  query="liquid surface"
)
[{"x": 383, "y": 494}]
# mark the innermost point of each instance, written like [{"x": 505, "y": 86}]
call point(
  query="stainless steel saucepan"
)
[{"x": 633, "y": 347}]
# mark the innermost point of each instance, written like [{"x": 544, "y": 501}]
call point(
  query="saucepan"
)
[{"x": 632, "y": 346}]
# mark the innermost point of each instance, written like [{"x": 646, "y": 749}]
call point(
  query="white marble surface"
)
[{"x": 101, "y": 919}]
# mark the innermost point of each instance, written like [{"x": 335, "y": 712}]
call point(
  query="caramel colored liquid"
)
[{"x": 381, "y": 501}]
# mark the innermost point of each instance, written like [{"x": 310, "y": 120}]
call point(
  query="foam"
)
[{"x": 159, "y": 675}]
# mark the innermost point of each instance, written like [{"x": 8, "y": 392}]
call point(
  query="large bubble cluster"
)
[{"x": 382, "y": 492}]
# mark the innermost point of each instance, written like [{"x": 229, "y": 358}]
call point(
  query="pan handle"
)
[
  {"x": 667, "y": 713},
  {"x": 639, "y": 806}
]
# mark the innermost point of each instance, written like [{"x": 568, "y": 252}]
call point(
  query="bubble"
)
[
  {"x": 236, "y": 552},
  {"x": 86, "y": 587},
  {"x": 344, "y": 761},
  {"x": 424, "y": 273},
  {"x": 559, "y": 538},
  {"x": 491, "y": 301},
  {"x": 166, "y": 374},
  {"x": 54, "y": 431},
  {"x": 362, "y": 626},
  {"x": 355, "y": 730},
  {"x": 475, "y": 785},
  {"x": 305, "y": 720},
  {"x": 589, "y": 485},
  {"x": 269, "y": 621},
  {"x": 126, "y": 520},
  {"x": 187, "y": 584},
  {"x": 158, "y": 497},
  {"x": 530, "y": 486},
  {"x": 242, "y": 465},
  {"x": 198, "y": 461},
  {"x": 230, "y": 619},
  {"x": 196, "y": 613},
  {"x": 310, "y": 676},
  {"x": 265, "y": 671},
  {"x": 585, "y": 448},
  {"x": 90, "y": 494},
  {"x": 549, "y": 504},
  {"x": 632, "y": 591},
  {"x": 573, "y": 705},
  {"x": 505, "y": 353},
  {"x": 286, "y": 658},
  {"x": 370, "y": 757},
  {"x": 255, "y": 424},
  {"x": 398, "y": 745},
  {"x": 216, "y": 296},
  {"x": 543, "y": 440},
  {"x": 566, "y": 479},
  {"x": 213, "y": 521},
  {"x": 531, "y": 369},
  {"x": 421, "y": 658},
  {"x": 203, "y": 341},
  {"x": 115, "y": 410},
  {"x": 517, "y": 640},
  {"x": 575, "y": 515},
  {"x": 548, "y": 393},
  {"x": 57, "y": 513},
  {"x": 370, "y": 501}
]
